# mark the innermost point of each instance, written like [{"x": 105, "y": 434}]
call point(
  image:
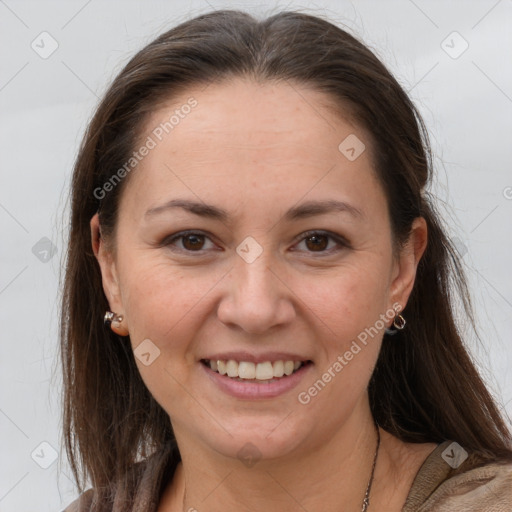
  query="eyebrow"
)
[{"x": 307, "y": 209}]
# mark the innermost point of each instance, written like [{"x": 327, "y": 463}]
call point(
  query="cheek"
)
[
  {"x": 345, "y": 303},
  {"x": 163, "y": 303},
  {"x": 347, "y": 312},
  {"x": 163, "y": 306}
]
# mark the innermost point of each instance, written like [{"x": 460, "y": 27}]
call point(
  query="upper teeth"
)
[{"x": 259, "y": 371}]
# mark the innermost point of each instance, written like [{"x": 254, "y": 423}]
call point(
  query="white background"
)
[{"x": 45, "y": 105}]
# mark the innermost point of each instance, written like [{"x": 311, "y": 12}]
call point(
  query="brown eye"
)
[
  {"x": 188, "y": 242},
  {"x": 193, "y": 242},
  {"x": 317, "y": 242},
  {"x": 322, "y": 242}
]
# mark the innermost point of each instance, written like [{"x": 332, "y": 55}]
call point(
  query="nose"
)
[{"x": 258, "y": 297}]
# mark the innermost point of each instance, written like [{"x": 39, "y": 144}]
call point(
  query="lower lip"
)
[{"x": 253, "y": 390}]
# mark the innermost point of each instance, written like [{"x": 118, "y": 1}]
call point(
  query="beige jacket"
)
[{"x": 468, "y": 486}]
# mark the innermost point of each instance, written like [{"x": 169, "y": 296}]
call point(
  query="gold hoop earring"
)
[{"x": 398, "y": 324}]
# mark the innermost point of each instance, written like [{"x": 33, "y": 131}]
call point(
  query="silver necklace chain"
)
[{"x": 366, "y": 500}]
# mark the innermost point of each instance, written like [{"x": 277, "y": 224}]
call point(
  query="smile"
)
[{"x": 264, "y": 372}]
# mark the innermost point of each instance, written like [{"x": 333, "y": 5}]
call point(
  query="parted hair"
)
[{"x": 425, "y": 387}]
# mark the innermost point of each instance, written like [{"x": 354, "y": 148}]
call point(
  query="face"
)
[{"x": 246, "y": 235}]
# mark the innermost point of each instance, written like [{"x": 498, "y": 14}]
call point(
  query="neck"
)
[{"x": 318, "y": 478}]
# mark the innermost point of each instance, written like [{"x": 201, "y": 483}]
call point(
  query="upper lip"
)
[{"x": 256, "y": 358}]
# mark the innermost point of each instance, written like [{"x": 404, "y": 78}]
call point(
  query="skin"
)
[{"x": 257, "y": 150}]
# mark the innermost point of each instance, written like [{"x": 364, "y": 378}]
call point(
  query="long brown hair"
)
[{"x": 425, "y": 387}]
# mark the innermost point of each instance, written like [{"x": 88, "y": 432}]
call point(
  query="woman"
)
[{"x": 258, "y": 309}]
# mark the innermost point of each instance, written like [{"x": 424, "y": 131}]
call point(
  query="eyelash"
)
[{"x": 342, "y": 242}]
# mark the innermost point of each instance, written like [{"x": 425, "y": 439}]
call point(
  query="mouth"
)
[{"x": 265, "y": 372}]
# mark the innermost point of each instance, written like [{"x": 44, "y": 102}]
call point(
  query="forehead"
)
[
  {"x": 249, "y": 114},
  {"x": 253, "y": 138}
]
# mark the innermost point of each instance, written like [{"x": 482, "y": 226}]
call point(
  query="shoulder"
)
[
  {"x": 484, "y": 489},
  {"x": 141, "y": 485},
  {"x": 453, "y": 480}
]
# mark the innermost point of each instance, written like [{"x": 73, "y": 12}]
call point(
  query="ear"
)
[
  {"x": 109, "y": 276},
  {"x": 404, "y": 272}
]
